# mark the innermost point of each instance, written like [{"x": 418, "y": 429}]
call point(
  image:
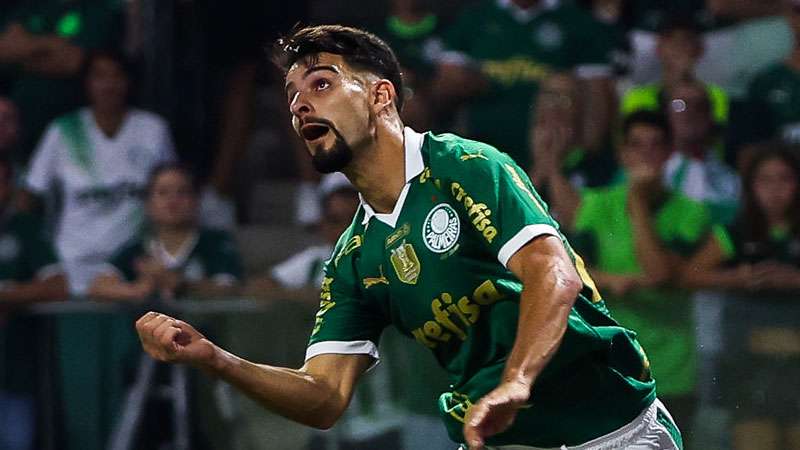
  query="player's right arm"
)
[{"x": 315, "y": 395}]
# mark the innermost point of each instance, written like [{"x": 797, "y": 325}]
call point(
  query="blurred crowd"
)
[{"x": 146, "y": 157}]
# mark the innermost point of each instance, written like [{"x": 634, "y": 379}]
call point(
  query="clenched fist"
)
[{"x": 171, "y": 340}]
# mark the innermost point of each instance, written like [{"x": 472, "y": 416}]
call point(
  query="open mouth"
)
[{"x": 313, "y": 131}]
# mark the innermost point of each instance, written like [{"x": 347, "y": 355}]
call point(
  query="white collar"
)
[
  {"x": 169, "y": 260},
  {"x": 526, "y": 15},
  {"x": 414, "y": 165}
]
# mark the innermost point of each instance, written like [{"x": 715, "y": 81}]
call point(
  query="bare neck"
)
[
  {"x": 109, "y": 121},
  {"x": 378, "y": 173}
]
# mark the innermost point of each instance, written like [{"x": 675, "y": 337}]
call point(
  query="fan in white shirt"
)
[{"x": 95, "y": 161}]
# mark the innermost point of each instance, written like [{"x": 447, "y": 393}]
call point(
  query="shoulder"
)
[
  {"x": 350, "y": 240},
  {"x": 449, "y": 154},
  {"x": 147, "y": 118}
]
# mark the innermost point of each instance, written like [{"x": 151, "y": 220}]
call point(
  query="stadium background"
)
[{"x": 201, "y": 65}]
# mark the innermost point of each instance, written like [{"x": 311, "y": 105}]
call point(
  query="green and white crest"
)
[{"x": 441, "y": 228}]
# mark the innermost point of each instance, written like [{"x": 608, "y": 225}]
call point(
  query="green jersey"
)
[
  {"x": 209, "y": 254},
  {"x": 435, "y": 268},
  {"x": 773, "y": 99},
  {"x": 535, "y": 44},
  {"x": 661, "y": 317}
]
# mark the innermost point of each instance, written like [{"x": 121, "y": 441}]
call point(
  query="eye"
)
[{"x": 321, "y": 84}]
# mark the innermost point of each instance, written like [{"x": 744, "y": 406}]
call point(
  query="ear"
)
[{"x": 384, "y": 95}]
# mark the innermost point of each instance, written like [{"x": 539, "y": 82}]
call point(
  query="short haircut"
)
[
  {"x": 359, "y": 49},
  {"x": 672, "y": 24},
  {"x": 653, "y": 119},
  {"x": 171, "y": 166}
]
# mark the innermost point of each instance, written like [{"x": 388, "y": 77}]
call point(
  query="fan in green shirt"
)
[
  {"x": 29, "y": 272},
  {"x": 498, "y": 52},
  {"x": 176, "y": 257},
  {"x": 634, "y": 235},
  {"x": 454, "y": 248},
  {"x": 42, "y": 47},
  {"x": 679, "y": 48}
]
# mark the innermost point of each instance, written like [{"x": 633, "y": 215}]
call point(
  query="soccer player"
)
[{"x": 452, "y": 246}]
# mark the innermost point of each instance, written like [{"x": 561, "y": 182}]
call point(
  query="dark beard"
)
[{"x": 335, "y": 159}]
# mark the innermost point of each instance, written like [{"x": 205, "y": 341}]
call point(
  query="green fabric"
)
[
  {"x": 661, "y": 317},
  {"x": 782, "y": 247},
  {"x": 24, "y": 248},
  {"x": 408, "y": 41},
  {"x": 555, "y": 40},
  {"x": 24, "y": 252},
  {"x": 88, "y": 24},
  {"x": 213, "y": 254},
  {"x": 725, "y": 241},
  {"x": 435, "y": 276},
  {"x": 774, "y": 105},
  {"x": 404, "y": 30},
  {"x": 650, "y": 97},
  {"x": 76, "y": 136}
]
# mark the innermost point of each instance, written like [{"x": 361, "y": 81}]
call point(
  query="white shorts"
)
[{"x": 645, "y": 432}]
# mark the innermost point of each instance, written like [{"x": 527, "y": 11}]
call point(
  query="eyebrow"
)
[{"x": 313, "y": 69}]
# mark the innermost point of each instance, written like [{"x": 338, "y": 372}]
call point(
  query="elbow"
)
[
  {"x": 571, "y": 286},
  {"x": 325, "y": 419}
]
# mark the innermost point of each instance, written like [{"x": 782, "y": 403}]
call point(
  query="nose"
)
[{"x": 300, "y": 106}]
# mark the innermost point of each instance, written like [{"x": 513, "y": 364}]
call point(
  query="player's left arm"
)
[{"x": 550, "y": 287}]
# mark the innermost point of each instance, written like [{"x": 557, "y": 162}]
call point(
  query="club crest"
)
[{"x": 441, "y": 228}]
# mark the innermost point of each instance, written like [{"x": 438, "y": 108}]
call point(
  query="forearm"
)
[
  {"x": 294, "y": 394},
  {"x": 695, "y": 278},
  {"x": 564, "y": 199},
  {"x": 599, "y": 109},
  {"x": 52, "y": 288},
  {"x": 210, "y": 288},
  {"x": 545, "y": 304},
  {"x": 111, "y": 288},
  {"x": 653, "y": 258}
]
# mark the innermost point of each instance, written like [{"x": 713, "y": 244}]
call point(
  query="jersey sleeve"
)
[
  {"x": 165, "y": 148},
  {"x": 43, "y": 169},
  {"x": 224, "y": 265},
  {"x": 346, "y": 323},
  {"x": 496, "y": 200}
]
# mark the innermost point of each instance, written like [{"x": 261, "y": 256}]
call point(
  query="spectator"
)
[
  {"x": 29, "y": 272},
  {"x": 696, "y": 168},
  {"x": 43, "y": 46},
  {"x": 754, "y": 37},
  {"x": 556, "y": 134},
  {"x": 498, "y": 83},
  {"x": 634, "y": 235},
  {"x": 757, "y": 260},
  {"x": 301, "y": 275},
  {"x": 98, "y": 159},
  {"x": 679, "y": 48},
  {"x": 773, "y": 98},
  {"x": 414, "y": 32},
  {"x": 175, "y": 257},
  {"x": 9, "y": 128}
]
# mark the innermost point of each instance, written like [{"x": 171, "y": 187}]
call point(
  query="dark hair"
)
[
  {"x": 752, "y": 221},
  {"x": 171, "y": 166},
  {"x": 359, "y": 49},
  {"x": 679, "y": 22},
  {"x": 653, "y": 119},
  {"x": 117, "y": 58}
]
